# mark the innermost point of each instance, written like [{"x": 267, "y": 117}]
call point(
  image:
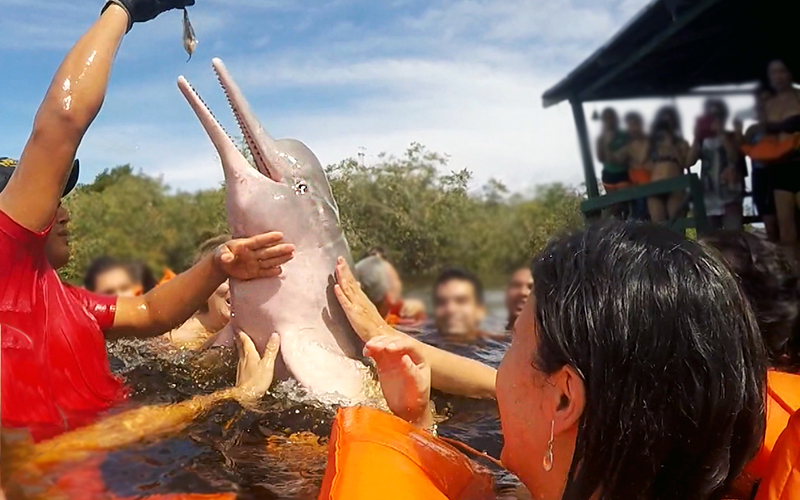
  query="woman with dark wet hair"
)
[
  {"x": 636, "y": 369},
  {"x": 772, "y": 284}
]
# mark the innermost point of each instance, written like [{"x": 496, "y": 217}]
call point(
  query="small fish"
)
[{"x": 189, "y": 40}]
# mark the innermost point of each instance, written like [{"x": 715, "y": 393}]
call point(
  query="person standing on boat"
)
[{"x": 610, "y": 152}]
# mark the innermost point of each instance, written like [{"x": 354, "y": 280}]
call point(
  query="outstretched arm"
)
[
  {"x": 254, "y": 376},
  {"x": 71, "y": 104},
  {"x": 168, "y": 305},
  {"x": 450, "y": 373}
]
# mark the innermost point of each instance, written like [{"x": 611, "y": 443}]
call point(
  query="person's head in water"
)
[
  {"x": 634, "y": 123},
  {"x": 780, "y": 78},
  {"x": 610, "y": 120},
  {"x": 636, "y": 370},
  {"x": 109, "y": 276},
  {"x": 376, "y": 280},
  {"x": 772, "y": 285},
  {"x": 458, "y": 304},
  {"x": 517, "y": 292},
  {"x": 216, "y": 312}
]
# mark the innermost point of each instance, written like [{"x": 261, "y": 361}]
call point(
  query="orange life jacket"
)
[
  {"x": 783, "y": 400},
  {"x": 375, "y": 455},
  {"x": 782, "y": 481}
]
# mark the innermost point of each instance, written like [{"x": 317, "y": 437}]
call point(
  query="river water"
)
[{"x": 277, "y": 451}]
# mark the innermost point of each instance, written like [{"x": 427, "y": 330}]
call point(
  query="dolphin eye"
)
[{"x": 300, "y": 188}]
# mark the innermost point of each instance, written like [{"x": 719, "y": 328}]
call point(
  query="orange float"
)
[
  {"x": 771, "y": 148},
  {"x": 375, "y": 455},
  {"x": 783, "y": 400},
  {"x": 782, "y": 481}
]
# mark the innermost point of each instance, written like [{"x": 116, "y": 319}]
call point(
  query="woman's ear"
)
[{"x": 570, "y": 392}]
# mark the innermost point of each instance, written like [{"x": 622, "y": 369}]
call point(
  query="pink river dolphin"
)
[{"x": 287, "y": 192}]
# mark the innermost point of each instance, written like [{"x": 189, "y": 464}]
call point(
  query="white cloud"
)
[{"x": 462, "y": 77}]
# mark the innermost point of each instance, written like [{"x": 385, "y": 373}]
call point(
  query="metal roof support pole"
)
[{"x": 586, "y": 149}]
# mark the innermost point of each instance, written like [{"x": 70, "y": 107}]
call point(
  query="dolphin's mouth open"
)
[{"x": 269, "y": 160}]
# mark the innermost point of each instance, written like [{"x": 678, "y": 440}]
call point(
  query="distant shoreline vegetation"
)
[{"x": 413, "y": 206}]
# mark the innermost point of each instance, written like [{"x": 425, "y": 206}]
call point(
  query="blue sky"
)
[{"x": 463, "y": 77}]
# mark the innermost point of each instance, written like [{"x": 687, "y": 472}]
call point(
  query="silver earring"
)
[{"x": 547, "y": 462}]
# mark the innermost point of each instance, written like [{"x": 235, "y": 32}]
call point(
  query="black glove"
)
[{"x": 140, "y": 11}]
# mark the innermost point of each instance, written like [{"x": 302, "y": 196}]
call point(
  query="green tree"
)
[{"x": 424, "y": 214}]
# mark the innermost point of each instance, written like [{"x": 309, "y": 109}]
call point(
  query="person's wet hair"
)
[
  {"x": 100, "y": 266},
  {"x": 371, "y": 273},
  {"x": 772, "y": 284},
  {"x": 459, "y": 274},
  {"x": 669, "y": 349},
  {"x": 142, "y": 274}
]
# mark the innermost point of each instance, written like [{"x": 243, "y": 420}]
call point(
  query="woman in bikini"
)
[
  {"x": 783, "y": 120},
  {"x": 668, "y": 156}
]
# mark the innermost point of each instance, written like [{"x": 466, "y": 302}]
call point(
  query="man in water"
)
[
  {"x": 383, "y": 286},
  {"x": 373, "y": 274},
  {"x": 458, "y": 306},
  {"x": 517, "y": 292},
  {"x": 55, "y": 372}
]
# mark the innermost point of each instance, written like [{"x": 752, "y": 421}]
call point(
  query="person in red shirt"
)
[{"x": 54, "y": 366}]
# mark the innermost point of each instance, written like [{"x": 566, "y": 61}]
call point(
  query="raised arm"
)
[
  {"x": 168, "y": 305},
  {"x": 71, "y": 104},
  {"x": 69, "y": 107},
  {"x": 450, "y": 373}
]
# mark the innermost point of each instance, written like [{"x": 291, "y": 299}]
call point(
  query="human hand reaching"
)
[
  {"x": 254, "y": 372},
  {"x": 260, "y": 256},
  {"x": 405, "y": 377},
  {"x": 361, "y": 312}
]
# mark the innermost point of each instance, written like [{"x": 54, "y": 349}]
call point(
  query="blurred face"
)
[
  {"x": 219, "y": 307},
  {"x": 57, "y": 245},
  {"x": 610, "y": 120},
  {"x": 779, "y": 76},
  {"x": 665, "y": 118},
  {"x": 527, "y": 400},
  {"x": 457, "y": 310},
  {"x": 517, "y": 293},
  {"x": 117, "y": 282},
  {"x": 635, "y": 126}
]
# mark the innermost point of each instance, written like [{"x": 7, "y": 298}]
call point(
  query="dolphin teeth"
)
[
  {"x": 197, "y": 94},
  {"x": 248, "y": 138}
]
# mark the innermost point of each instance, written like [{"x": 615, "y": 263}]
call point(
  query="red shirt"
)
[{"x": 55, "y": 373}]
